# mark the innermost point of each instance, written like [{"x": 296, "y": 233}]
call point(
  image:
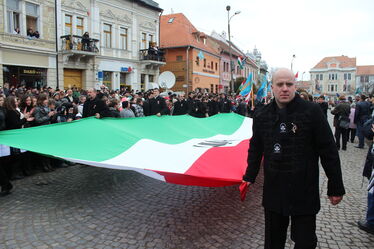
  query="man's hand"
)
[
  {"x": 158, "y": 114},
  {"x": 248, "y": 183},
  {"x": 97, "y": 115},
  {"x": 335, "y": 199}
]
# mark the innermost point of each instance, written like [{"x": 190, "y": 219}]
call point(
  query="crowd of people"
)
[{"x": 23, "y": 108}]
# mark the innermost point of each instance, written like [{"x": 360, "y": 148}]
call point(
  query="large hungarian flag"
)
[{"x": 176, "y": 149}]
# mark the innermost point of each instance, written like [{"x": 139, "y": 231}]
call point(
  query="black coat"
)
[
  {"x": 213, "y": 107},
  {"x": 362, "y": 112},
  {"x": 180, "y": 107},
  {"x": 91, "y": 107},
  {"x": 225, "y": 106},
  {"x": 292, "y": 141},
  {"x": 13, "y": 120},
  {"x": 157, "y": 105},
  {"x": 324, "y": 107}
]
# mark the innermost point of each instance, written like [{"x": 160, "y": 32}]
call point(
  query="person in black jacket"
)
[
  {"x": 291, "y": 135},
  {"x": 95, "y": 106},
  {"x": 341, "y": 112},
  {"x": 213, "y": 105},
  {"x": 180, "y": 106},
  {"x": 5, "y": 184},
  {"x": 224, "y": 104},
  {"x": 157, "y": 104},
  {"x": 324, "y": 106},
  {"x": 362, "y": 114}
]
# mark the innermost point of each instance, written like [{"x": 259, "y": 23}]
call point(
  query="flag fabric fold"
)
[{"x": 176, "y": 149}]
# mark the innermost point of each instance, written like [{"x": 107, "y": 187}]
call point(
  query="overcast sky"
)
[{"x": 310, "y": 29}]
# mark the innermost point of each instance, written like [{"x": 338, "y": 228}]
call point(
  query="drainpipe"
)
[
  {"x": 187, "y": 66},
  {"x": 56, "y": 29}
]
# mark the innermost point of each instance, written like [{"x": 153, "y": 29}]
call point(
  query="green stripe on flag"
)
[{"x": 101, "y": 139}]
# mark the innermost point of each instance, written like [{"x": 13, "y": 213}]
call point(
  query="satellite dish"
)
[{"x": 166, "y": 80}]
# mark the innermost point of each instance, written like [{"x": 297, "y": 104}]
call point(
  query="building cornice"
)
[{"x": 321, "y": 70}]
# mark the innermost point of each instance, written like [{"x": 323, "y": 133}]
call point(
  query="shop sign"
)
[
  {"x": 208, "y": 71},
  {"x": 31, "y": 71},
  {"x": 126, "y": 69},
  {"x": 100, "y": 75}
]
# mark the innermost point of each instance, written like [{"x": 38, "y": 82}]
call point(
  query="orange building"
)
[{"x": 193, "y": 60}]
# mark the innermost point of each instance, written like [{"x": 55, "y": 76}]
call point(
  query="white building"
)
[
  {"x": 365, "y": 79},
  {"x": 119, "y": 30},
  {"x": 334, "y": 75}
]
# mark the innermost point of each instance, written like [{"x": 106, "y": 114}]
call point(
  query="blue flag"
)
[
  {"x": 247, "y": 86},
  {"x": 201, "y": 55},
  {"x": 261, "y": 93}
]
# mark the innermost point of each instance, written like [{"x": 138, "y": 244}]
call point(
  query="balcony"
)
[
  {"x": 152, "y": 59},
  {"x": 78, "y": 47}
]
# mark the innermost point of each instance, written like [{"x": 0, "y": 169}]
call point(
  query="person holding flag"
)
[{"x": 290, "y": 135}]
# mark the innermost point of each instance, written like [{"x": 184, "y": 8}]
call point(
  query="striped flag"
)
[
  {"x": 240, "y": 62},
  {"x": 175, "y": 149}
]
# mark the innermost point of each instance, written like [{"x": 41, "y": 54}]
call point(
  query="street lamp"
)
[
  {"x": 293, "y": 57},
  {"x": 228, "y": 8}
]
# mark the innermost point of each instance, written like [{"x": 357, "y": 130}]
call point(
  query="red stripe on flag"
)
[{"x": 217, "y": 167}]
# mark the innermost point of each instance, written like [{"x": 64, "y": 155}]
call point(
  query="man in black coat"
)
[
  {"x": 362, "y": 114},
  {"x": 94, "y": 106},
  {"x": 157, "y": 104},
  {"x": 324, "y": 106},
  {"x": 180, "y": 106},
  {"x": 292, "y": 135},
  {"x": 224, "y": 104}
]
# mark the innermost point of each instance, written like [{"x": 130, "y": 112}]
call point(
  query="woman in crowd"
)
[
  {"x": 16, "y": 120},
  {"x": 43, "y": 116},
  {"x": 5, "y": 184},
  {"x": 352, "y": 125},
  {"x": 26, "y": 106}
]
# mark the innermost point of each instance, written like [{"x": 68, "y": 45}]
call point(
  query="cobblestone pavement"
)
[{"x": 88, "y": 207}]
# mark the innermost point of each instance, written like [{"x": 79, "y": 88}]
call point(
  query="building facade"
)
[
  {"x": 116, "y": 53},
  {"x": 113, "y": 52},
  {"x": 27, "y": 43},
  {"x": 334, "y": 75},
  {"x": 189, "y": 55},
  {"x": 365, "y": 79}
]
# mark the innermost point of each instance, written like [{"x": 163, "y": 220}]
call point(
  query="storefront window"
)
[
  {"x": 31, "y": 77},
  {"x": 107, "y": 81}
]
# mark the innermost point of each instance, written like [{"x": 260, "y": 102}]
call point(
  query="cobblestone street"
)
[{"x": 88, "y": 207}]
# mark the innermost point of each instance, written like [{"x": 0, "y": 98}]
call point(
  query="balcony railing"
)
[
  {"x": 152, "y": 55},
  {"x": 78, "y": 43}
]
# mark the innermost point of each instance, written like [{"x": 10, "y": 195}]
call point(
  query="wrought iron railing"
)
[{"x": 79, "y": 43}]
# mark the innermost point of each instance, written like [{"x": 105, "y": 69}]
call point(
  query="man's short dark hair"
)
[{"x": 322, "y": 97}]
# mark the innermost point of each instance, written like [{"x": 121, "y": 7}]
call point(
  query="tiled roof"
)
[
  {"x": 177, "y": 31},
  {"x": 336, "y": 61},
  {"x": 365, "y": 70}
]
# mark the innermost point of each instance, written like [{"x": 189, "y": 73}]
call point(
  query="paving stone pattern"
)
[{"x": 88, "y": 207}]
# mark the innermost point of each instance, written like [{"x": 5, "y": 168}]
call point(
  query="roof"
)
[
  {"x": 336, "y": 61},
  {"x": 177, "y": 31},
  {"x": 365, "y": 70},
  {"x": 150, "y": 3}
]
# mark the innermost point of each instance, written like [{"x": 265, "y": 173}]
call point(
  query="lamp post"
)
[
  {"x": 293, "y": 57},
  {"x": 228, "y": 8}
]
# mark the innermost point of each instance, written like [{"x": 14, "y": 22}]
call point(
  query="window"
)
[
  {"x": 171, "y": 20},
  {"x": 13, "y": 12},
  {"x": 68, "y": 25},
  {"x": 211, "y": 65},
  {"x": 32, "y": 16},
  {"x": 204, "y": 62},
  {"x": 107, "y": 41},
  {"x": 107, "y": 79},
  {"x": 349, "y": 76},
  {"x": 179, "y": 58},
  {"x": 123, "y": 38},
  {"x": 142, "y": 82},
  {"x": 143, "y": 44},
  {"x": 345, "y": 76},
  {"x": 321, "y": 76},
  {"x": 80, "y": 26},
  {"x": 211, "y": 88},
  {"x": 151, "y": 78},
  {"x": 197, "y": 60},
  {"x": 216, "y": 66},
  {"x": 150, "y": 38}
]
